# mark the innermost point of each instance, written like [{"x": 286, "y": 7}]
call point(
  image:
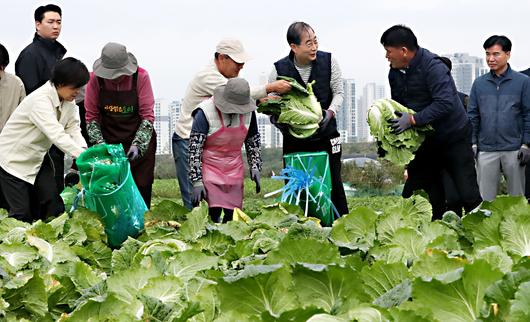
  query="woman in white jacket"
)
[{"x": 47, "y": 116}]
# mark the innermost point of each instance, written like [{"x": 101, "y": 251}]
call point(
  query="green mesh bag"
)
[
  {"x": 110, "y": 191},
  {"x": 309, "y": 172}
]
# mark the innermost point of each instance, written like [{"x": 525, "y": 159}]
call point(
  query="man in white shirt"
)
[{"x": 229, "y": 59}]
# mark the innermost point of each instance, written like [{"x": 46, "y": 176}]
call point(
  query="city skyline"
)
[{"x": 173, "y": 40}]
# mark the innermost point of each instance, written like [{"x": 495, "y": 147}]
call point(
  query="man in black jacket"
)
[
  {"x": 422, "y": 82},
  {"x": 35, "y": 63}
]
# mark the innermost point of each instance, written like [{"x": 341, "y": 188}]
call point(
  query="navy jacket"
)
[
  {"x": 35, "y": 62},
  {"x": 499, "y": 110},
  {"x": 428, "y": 88}
]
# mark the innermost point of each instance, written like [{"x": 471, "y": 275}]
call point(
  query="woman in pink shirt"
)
[{"x": 119, "y": 105}]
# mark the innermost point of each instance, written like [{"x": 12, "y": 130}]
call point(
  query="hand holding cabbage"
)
[
  {"x": 298, "y": 110},
  {"x": 399, "y": 145}
]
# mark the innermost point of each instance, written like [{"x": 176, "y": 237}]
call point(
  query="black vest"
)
[{"x": 321, "y": 74}]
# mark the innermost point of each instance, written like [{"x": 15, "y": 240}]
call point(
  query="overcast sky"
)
[{"x": 174, "y": 39}]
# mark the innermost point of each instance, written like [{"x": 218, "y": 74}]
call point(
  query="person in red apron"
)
[
  {"x": 119, "y": 106},
  {"x": 221, "y": 125}
]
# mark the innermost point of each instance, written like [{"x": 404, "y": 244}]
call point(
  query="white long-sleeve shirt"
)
[
  {"x": 11, "y": 94},
  {"x": 38, "y": 122},
  {"x": 200, "y": 89}
]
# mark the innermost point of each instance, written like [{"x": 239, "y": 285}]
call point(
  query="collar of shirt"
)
[
  {"x": 56, "y": 101},
  {"x": 501, "y": 76}
]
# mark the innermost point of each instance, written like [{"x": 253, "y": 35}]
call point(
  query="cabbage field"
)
[{"x": 386, "y": 262}]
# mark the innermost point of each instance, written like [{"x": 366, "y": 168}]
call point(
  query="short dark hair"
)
[
  {"x": 4, "y": 57},
  {"x": 70, "y": 72},
  {"x": 40, "y": 11},
  {"x": 400, "y": 36},
  {"x": 502, "y": 41},
  {"x": 295, "y": 30}
]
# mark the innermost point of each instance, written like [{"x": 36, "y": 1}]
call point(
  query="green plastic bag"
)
[
  {"x": 315, "y": 165},
  {"x": 110, "y": 191}
]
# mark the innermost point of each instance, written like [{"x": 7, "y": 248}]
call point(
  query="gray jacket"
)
[{"x": 499, "y": 110}]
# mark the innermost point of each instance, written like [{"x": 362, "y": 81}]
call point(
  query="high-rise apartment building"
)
[
  {"x": 371, "y": 92},
  {"x": 162, "y": 126},
  {"x": 347, "y": 114},
  {"x": 465, "y": 70}
]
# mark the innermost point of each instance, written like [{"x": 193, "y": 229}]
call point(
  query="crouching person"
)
[
  {"x": 47, "y": 116},
  {"x": 221, "y": 125}
]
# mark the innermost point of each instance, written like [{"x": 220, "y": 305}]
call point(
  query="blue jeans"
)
[{"x": 180, "y": 155}]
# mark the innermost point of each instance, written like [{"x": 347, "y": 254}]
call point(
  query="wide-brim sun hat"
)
[
  {"x": 234, "y": 97},
  {"x": 114, "y": 62}
]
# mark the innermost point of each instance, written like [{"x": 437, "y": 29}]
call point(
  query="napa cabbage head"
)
[
  {"x": 399, "y": 148},
  {"x": 299, "y": 109}
]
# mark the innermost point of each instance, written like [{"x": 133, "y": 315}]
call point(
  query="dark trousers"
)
[
  {"x": 28, "y": 202},
  {"x": 215, "y": 214},
  {"x": 57, "y": 157},
  {"x": 3, "y": 202},
  {"x": 146, "y": 192},
  {"x": 334, "y": 151},
  {"x": 452, "y": 200},
  {"x": 454, "y": 158}
]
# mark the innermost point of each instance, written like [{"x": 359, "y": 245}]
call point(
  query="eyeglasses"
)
[{"x": 310, "y": 43}]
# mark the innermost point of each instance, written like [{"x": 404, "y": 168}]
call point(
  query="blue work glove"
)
[
  {"x": 71, "y": 178},
  {"x": 524, "y": 155},
  {"x": 327, "y": 116},
  {"x": 133, "y": 153},
  {"x": 198, "y": 193},
  {"x": 402, "y": 123},
  {"x": 255, "y": 176},
  {"x": 280, "y": 126}
]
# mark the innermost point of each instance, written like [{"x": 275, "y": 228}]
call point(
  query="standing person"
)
[
  {"x": 527, "y": 171},
  {"x": 229, "y": 59},
  {"x": 119, "y": 105},
  {"x": 306, "y": 63},
  {"x": 11, "y": 94},
  {"x": 221, "y": 125},
  {"x": 45, "y": 117},
  {"x": 448, "y": 198},
  {"x": 35, "y": 63},
  {"x": 499, "y": 110},
  {"x": 11, "y": 89},
  {"x": 422, "y": 82}
]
